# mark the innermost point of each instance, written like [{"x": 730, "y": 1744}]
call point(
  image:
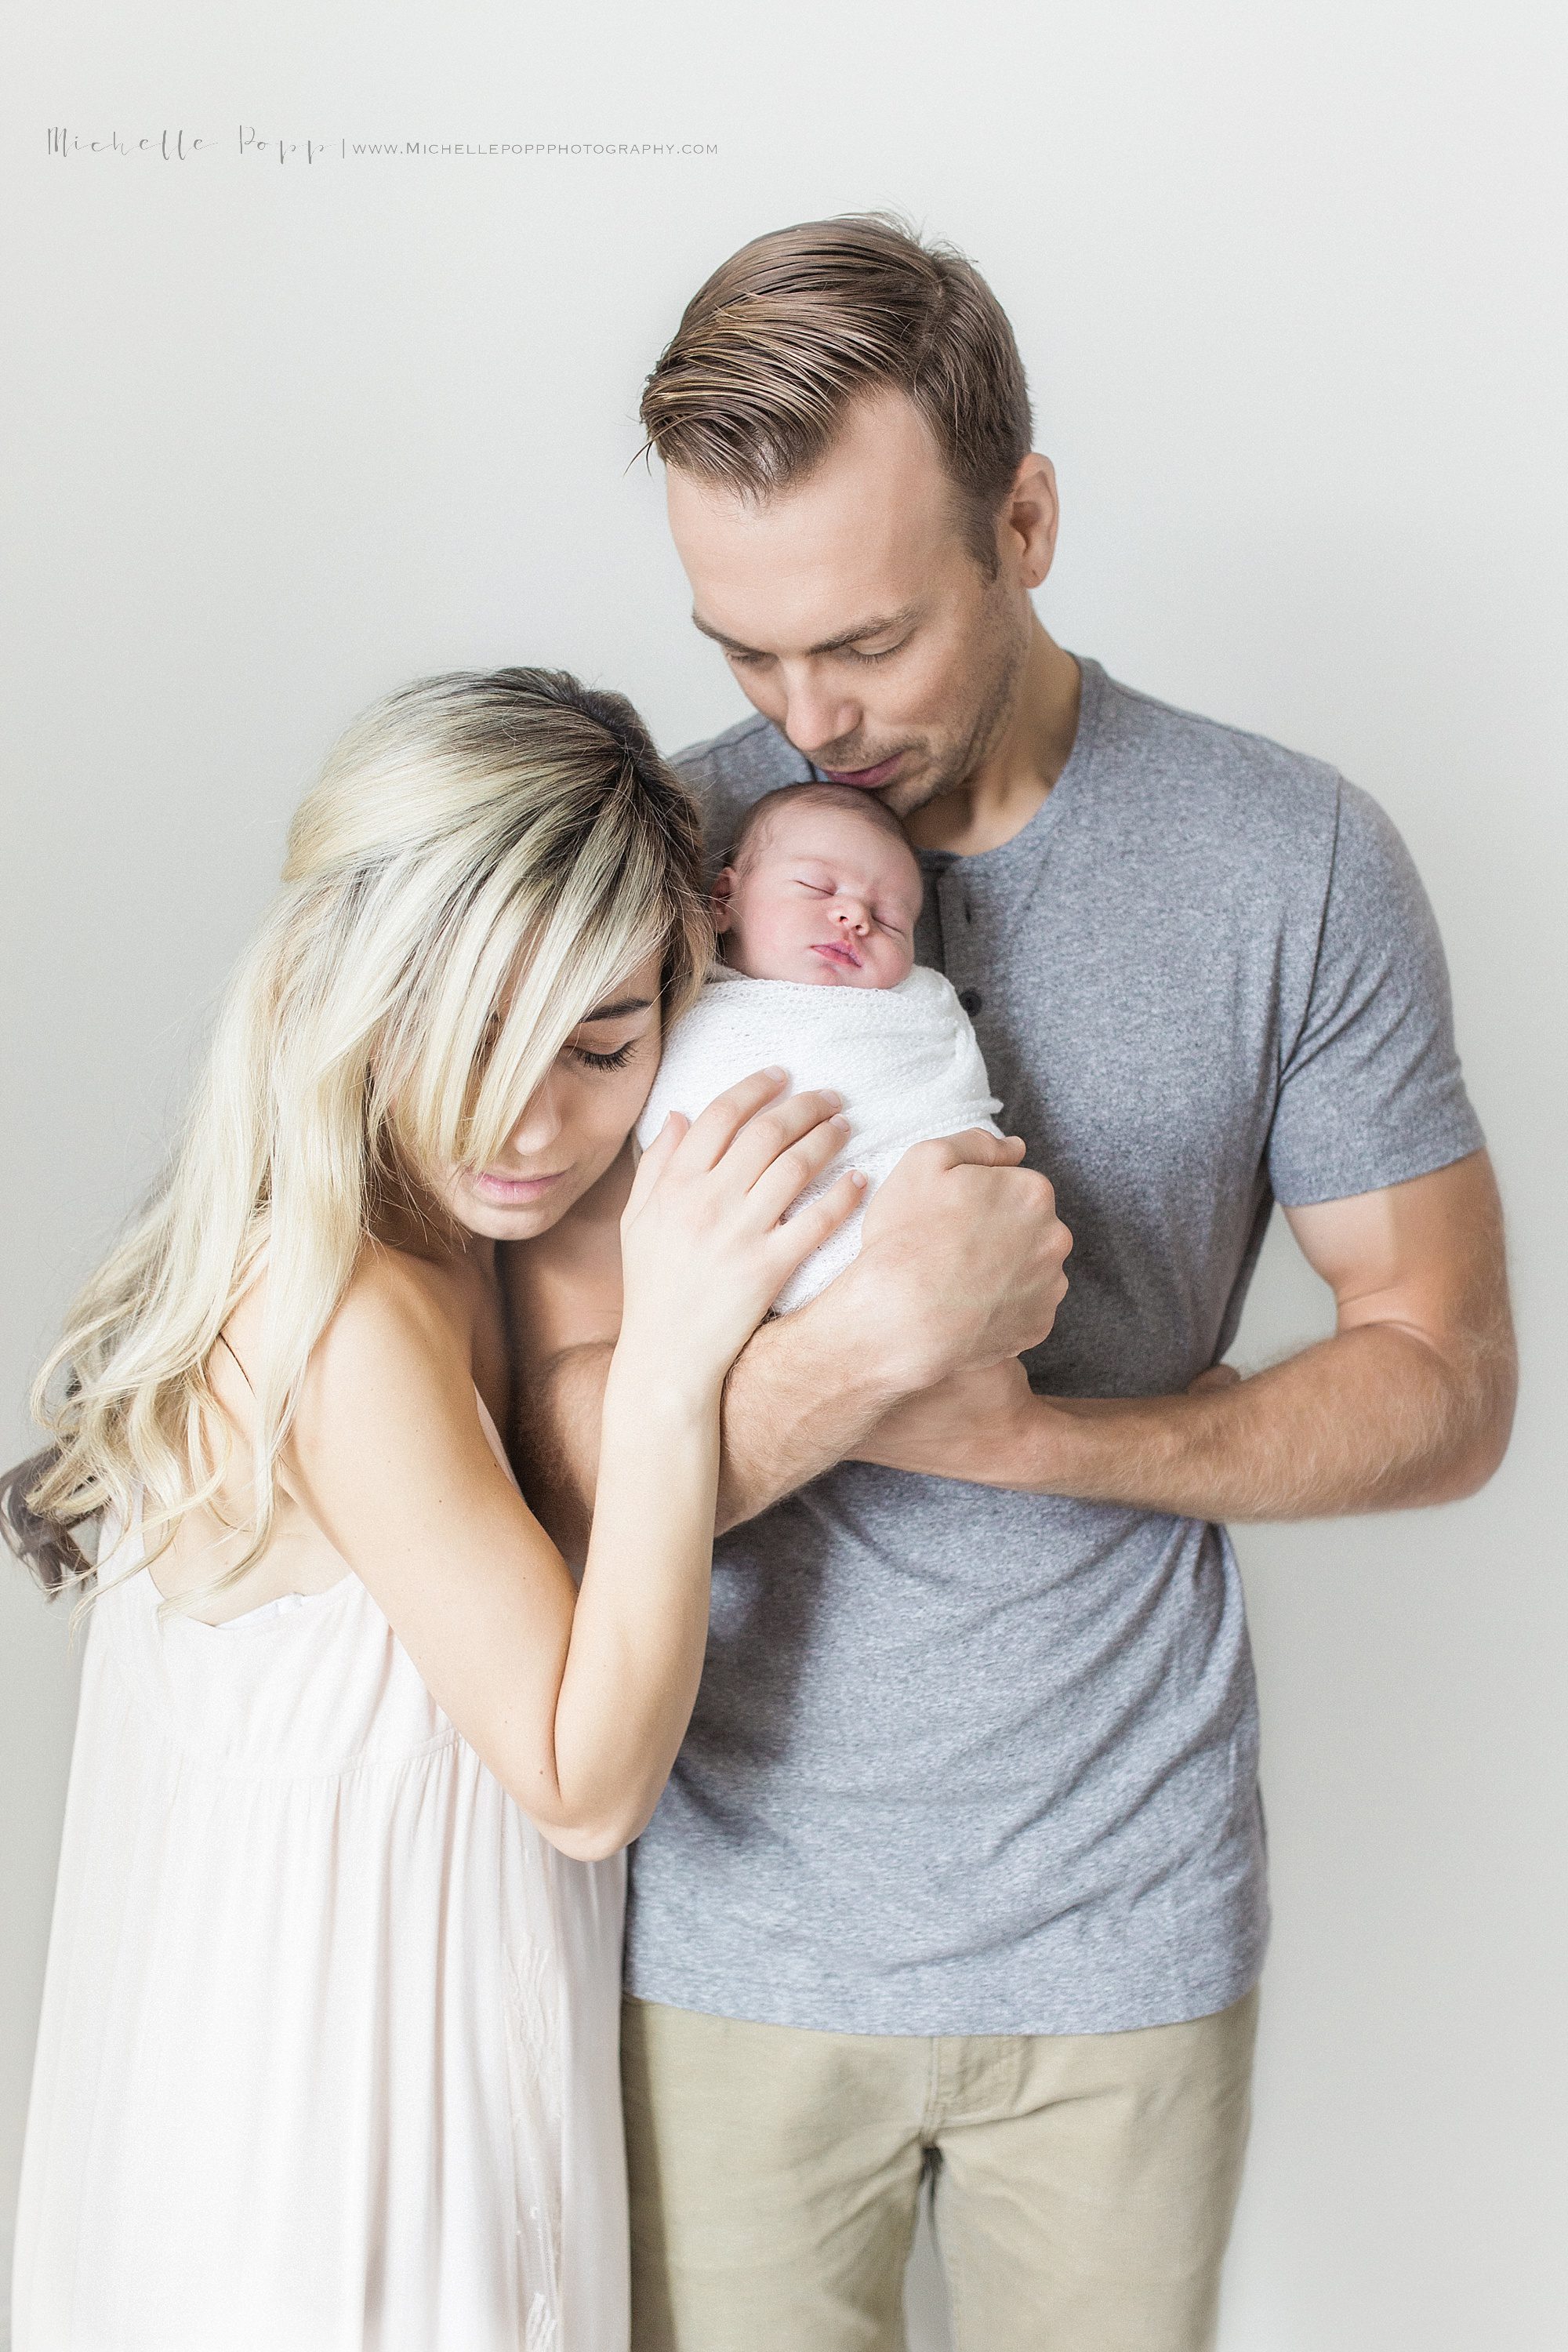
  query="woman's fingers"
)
[
  {"x": 712, "y": 1134},
  {"x": 787, "y": 1174},
  {"x": 774, "y": 1131},
  {"x": 653, "y": 1162},
  {"x": 810, "y": 1227}
]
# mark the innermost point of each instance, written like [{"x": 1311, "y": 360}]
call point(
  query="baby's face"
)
[{"x": 822, "y": 895}]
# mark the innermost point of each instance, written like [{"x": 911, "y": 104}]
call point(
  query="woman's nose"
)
[{"x": 540, "y": 1125}]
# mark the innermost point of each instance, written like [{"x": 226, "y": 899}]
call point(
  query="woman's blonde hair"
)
[{"x": 483, "y": 859}]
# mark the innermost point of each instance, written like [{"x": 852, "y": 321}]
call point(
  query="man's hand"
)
[
  {"x": 1410, "y": 1403},
  {"x": 963, "y": 1260},
  {"x": 977, "y": 1425},
  {"x": 961, "y": 1266}
]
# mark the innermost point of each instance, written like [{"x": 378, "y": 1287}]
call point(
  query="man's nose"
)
[{"x": 818, "y": 715}]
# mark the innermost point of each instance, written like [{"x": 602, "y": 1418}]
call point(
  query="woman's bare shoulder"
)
[
  {"x": 400, "y": 1316},
  {"x": 398, "y": 1313}
]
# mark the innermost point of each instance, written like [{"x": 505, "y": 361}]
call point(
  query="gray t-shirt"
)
[{"x": 968, "y": 1761}]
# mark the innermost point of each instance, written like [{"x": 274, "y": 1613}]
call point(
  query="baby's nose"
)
[{"x": 850, "y": 910}]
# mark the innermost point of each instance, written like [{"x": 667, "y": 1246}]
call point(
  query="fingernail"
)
[
  {"x": 775, "y": 1072},
  {"x": 857, "y": 1177},
  {"x": 831, "y": 1094},
  {"x": 839, "y": 1121}
]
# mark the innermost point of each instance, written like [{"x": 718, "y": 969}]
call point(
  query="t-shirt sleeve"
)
[
  {"x": 1371, "y": 1092},
  {"x": 698, "y": 772},
  {"x": 729, "y": 772}
]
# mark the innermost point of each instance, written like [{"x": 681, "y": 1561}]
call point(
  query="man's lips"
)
[
  {"x": 835, "y": 952},
  {"x": 868, "y": 778},
  {"x": 512, "y": 1191}
]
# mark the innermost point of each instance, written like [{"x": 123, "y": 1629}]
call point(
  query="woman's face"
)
[{"x": 576, "y": 1123}]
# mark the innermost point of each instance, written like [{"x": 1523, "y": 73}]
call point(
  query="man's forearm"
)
[
  {"x": 796, "y": 1402},
  {"x": 1373, "y": 1419},
  {"x": 794, "y": 1406}
]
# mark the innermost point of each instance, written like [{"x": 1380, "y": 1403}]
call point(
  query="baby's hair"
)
[{"x": 840, "y": 796}]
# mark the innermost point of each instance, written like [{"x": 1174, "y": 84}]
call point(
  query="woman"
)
[{"x": 327, "y": 2057}]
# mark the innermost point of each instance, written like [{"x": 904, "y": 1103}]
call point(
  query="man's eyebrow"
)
[
  {"x": 617, "y": 1011},
  {"x": 830, "y": 645}
]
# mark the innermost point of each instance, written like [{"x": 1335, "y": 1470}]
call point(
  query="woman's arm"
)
[{"x": 576, "y": 1701}]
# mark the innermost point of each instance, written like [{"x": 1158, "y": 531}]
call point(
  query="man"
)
[{"x": 960, "y": 1874}]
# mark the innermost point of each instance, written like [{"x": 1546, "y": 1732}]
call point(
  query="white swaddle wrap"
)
[{"x": 905, "y": 1060}]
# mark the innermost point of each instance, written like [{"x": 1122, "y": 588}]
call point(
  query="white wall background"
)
[{"x": 1288, "y": 281}]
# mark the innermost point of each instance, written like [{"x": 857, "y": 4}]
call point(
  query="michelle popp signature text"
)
[{"x": 178, "y": 146}]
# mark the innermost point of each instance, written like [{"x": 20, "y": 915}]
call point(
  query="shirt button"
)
[{"x": 971, "y": 1000}]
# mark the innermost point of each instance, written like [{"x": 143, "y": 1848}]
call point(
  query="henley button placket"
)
[{"x": 957, "y": 916}]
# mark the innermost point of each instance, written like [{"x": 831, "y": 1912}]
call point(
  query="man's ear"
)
[
  {"x": 719, "y": 898},
  {"x": 1031, "y": 517}
]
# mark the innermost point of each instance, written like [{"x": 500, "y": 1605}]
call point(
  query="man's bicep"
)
[
  {"x": 1371, "y": 1093},
  {"x": 1427, "y": 1253},
  {"x": 562, "y": 1291}
]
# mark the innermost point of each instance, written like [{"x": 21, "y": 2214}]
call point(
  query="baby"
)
[
  {"x": 816, "y": 910},
  {"x": 821, "y": 886}
]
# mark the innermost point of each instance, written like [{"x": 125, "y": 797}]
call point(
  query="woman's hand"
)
[{"x": 705, "y": 1245}]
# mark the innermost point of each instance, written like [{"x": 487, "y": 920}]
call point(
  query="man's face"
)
[{"x": 854, "y": 613}]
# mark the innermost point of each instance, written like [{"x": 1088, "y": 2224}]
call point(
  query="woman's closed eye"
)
[{"x": 614, "y": 1061}]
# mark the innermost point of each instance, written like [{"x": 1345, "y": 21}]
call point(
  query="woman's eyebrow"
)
[{"x": 617, "y": 1011}]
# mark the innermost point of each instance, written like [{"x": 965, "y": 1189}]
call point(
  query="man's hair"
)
[
  {"x": 853, "y": 797},
  {"x": 769, "y": 355}
]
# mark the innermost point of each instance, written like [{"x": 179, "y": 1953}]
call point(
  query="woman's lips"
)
[
  {"x": 868, "y": 778},
  {"x": 512, "y": 1191}
]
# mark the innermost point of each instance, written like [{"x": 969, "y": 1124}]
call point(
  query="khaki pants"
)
[{"x": 1084, "y": 2183}]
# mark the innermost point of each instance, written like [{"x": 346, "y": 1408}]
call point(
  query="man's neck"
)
[{"x": 1018, "y": 773}]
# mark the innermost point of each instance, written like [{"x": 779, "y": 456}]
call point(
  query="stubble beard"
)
[{"x": 1008, "y": 646}]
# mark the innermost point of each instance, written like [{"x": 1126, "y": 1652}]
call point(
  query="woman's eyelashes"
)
[{"x": 616, "y": 1061}]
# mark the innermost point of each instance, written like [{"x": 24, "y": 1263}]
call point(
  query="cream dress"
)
[{"x": 328, "y": 2054}]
